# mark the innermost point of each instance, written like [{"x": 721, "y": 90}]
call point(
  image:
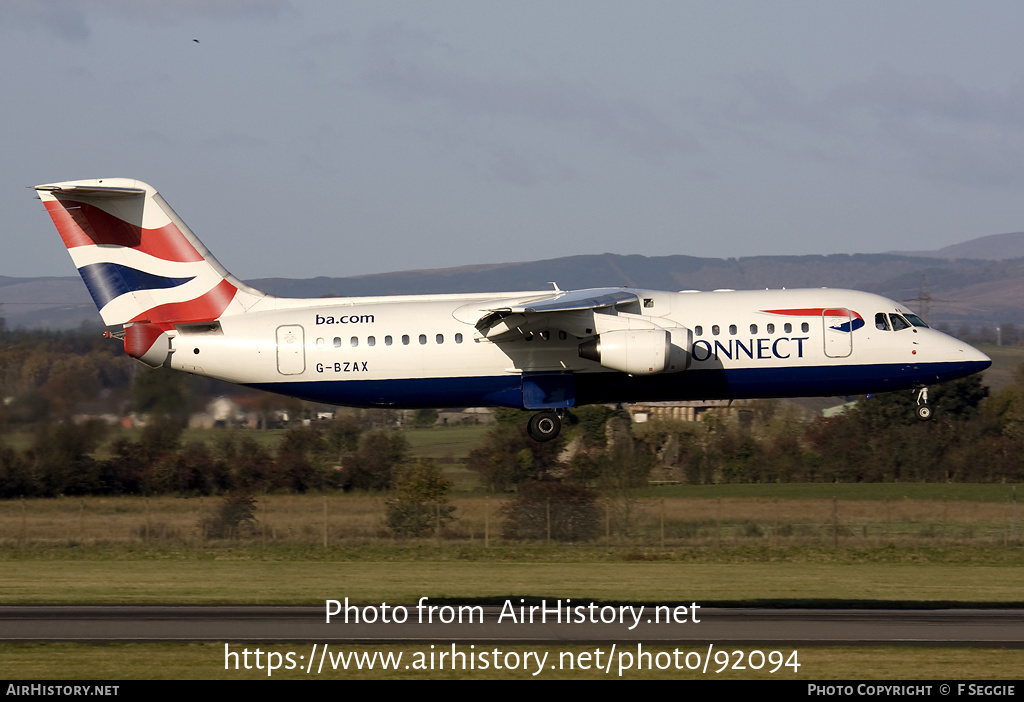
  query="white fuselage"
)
[{"x": 427, "y": 351}]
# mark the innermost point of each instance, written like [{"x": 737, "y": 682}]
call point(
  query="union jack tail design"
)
[{"x": 140, "y": 262}]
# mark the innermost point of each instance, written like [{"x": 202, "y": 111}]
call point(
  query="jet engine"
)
[{"x": 637, "y": 351}]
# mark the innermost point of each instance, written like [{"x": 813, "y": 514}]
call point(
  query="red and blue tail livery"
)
[
  {"x": 546, "y": 350},
  {"x": 139, "y": 262}
]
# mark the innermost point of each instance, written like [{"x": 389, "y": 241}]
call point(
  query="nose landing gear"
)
[
  {"x": 545, "y": 426},
  {"x": 923, "y": 409}
]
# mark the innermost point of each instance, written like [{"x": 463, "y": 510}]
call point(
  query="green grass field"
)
[
  {"x": 795, "y": 577},
  {"x": 138, "y": 551}
]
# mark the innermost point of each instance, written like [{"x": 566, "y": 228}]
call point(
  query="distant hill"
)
[
  {"x": 996, "y": 247},
  {"x": 984, "y": 288},
  {"x": 47, "y": 303}
]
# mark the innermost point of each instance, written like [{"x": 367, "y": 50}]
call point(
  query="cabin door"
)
[
  {"x": 291, "y": 355},
  {"x": 838, "y": 330}
]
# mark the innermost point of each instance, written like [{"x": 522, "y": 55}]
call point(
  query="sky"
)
[{"x": 335, "y": 138}]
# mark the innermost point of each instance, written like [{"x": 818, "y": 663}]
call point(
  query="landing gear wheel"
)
[
  {"x": 923, "y": 409},
  {"x": 544, "y": 426}
]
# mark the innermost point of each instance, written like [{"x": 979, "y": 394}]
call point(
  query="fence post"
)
[
  {"x": 663, "y": 523},
  {"x": 547, "y": 504},
  {"x": 1013, "y": 519},
  {"x": 835, "y": 523}
]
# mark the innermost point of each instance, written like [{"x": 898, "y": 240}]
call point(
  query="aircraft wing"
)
[
  {"x": 573, "y": 301},
  {"x": 559, "y": 309}
]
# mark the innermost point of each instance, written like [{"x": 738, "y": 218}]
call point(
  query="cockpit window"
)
[
  {"x": 882, "y": 321},
  {"x": 916, "y": 321},
  {"x": 898, "y": 322}
]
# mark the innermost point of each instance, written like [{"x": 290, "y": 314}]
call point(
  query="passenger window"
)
[
  {"x": 320, "y": 343},
  {"x": 771, "y": 328},
  {"x": 354, "y": 341},
  {"x": 715, "y": 330},
  {"x": 882, "y": 322},
  {"x": 439, "y": 338},
  {"x": 405, "y": 339},
  {"x": 423, "y": 338},
  {"x": 337, "y": 342},
  {"x": 698, "y": 330},
  {"x": 804, "y": 327},
  {"x": 732, "y": 329},
  {"x": 562, "y": 336},
  {"x": 788, "y": 328},
  {"x": 753, "y": 329},
  {"x": 545, "y": 335},
  {"x": 371, "y": 341},
  {"x": 458, "y": 338},
  {"x": 387, "y": 341}
]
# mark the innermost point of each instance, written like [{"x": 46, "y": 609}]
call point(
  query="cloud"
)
[
  {"x": 408, "y": 67},
  {"x": 234, "y": 141},
  {"x": 71, "y": 19},
  {"x": 64, "y": 18},
  {"x": 934, "y": 126},
  {"x": 948, "y": 131}
]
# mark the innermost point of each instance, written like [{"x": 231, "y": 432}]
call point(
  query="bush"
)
[
  {"x": 235, "y": 517},
  {"x": 570, "y": 511},
  {"x": 373, "y": 465},
  {"x": 419, "y": 501}
]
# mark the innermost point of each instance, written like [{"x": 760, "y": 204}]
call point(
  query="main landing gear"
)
[
  {"x": 544, "y": 426},
  {"x": 923, "y": 409}
]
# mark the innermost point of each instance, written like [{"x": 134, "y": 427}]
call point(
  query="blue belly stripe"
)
[{"x": 709, "y": 384}]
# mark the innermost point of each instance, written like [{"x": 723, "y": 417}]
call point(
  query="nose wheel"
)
[
  {"x": 923, "y": 409},
  {"x": 544, "y": 426}
]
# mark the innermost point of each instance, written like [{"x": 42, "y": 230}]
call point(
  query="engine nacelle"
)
[{"x": 633, "y": 351}]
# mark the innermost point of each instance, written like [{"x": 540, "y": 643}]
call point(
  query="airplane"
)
[{"x": 546, "y": 350}]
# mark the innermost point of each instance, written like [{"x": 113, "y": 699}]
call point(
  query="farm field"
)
[
  {"x": 835, "y": 515},
  {"x": 794, "y": 544}
]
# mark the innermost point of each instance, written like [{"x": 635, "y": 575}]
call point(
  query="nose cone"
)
[
  {"x": 973, "y": 355},
  {"x": 967, "y": 358}
]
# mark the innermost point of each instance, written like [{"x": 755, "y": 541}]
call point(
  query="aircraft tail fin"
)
[{"x": 140, "y": 262}]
